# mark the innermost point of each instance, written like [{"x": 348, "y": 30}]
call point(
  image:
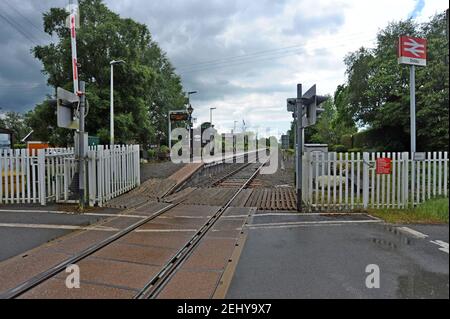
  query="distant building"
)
[{"x": 6, "y": 138}]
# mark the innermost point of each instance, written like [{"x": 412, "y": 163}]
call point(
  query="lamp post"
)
[
  {"x": 210, "y": 114},
  {"x": 111, "y": 128},
  {"x": 190, "y": 110}
]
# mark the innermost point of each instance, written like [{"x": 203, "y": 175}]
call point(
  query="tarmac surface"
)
[
  {"x": 288, "y": 256},
  {"x": 23, "y": 227},
  {"x": 26, "y": 226}
]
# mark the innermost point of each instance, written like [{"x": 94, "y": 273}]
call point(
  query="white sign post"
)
[{"x": 412, "y": 51}]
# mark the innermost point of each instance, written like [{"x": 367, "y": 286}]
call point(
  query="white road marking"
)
[
  {"x": 293, "y": 226},
  {"x": 164, "y": 230},
  {"x": 35, "y": 211},
  {"x": 444, "y": 246},
  {"x": 234, "y": 216},
  {"x": 47, "y": 226},
  {"x": 115, "y": 215},
  {"x": 412, "y": 232},
  {"x": 311, "y": 214},
  {"x": 187, "y": 217},
  {"x": 69, "y": 213},
  {"x": 287, "y": 224}
]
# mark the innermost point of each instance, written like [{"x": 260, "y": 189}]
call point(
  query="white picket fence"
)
[
  {"x": 340, "y": 181},
  {"x": 113, "y": 171},
  {"x": 42, "y": 176}
]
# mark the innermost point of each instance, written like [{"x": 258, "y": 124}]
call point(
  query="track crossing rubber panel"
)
[
  {"x": 273, "y": 199},
  {"x": 154, "y": 188},
  {"x": 216, "y": 196},
  {"x": 149, "y": 190}
]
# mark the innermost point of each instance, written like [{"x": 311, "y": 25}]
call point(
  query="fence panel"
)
[
  {"x": 348, "y": 181},
  {"x": 113, "y": 171},
  {"x": 19, "y": 177},
  {"x": 41, "y": 176}
]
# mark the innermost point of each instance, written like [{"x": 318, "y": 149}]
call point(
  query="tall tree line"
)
[
  {"x": 376, "y": 99},
  {"x": 145, "y": 88}
]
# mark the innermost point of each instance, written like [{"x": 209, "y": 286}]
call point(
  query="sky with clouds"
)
[{"x": 243, "y": 57}]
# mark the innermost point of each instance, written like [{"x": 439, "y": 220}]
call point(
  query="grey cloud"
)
[
  {"x": 212, "y": 89},
  {"x": 189, "y": 31},
  {"x": 306, "y": 25},
  {"x": 22, "y": 84}
]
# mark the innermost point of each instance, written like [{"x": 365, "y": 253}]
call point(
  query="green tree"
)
[
  {"x": 15, "y": 122},
  {"x": 378, "y": 89},
  {"x": 332, "y": 124},
  {"x": 145, "y": 88}
]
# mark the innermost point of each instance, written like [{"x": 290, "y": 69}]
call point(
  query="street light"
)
[
  {"x": 234, "y": 126},
  {"x": 190, "y": 110},
  {"x": 191, "y": 92},
  {"x": 210, "y": 114},
  {"x": 112, "y": 63}
]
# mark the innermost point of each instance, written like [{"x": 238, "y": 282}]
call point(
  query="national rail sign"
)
[{"x": 412, "y": 51}]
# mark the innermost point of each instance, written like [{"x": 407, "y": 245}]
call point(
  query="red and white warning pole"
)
[{"x": 73, "y": 35}]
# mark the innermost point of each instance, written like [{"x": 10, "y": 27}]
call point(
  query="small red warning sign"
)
[{"x": 384, "y": 166}]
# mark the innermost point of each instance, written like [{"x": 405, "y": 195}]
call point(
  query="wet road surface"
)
[{"x": 326, "y": 257}]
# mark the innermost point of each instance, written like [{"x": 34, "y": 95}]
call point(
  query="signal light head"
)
[{"x": 320, "y": 99}]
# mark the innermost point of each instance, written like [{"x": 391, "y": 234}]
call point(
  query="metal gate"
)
[{"x": 51, "y": 175}]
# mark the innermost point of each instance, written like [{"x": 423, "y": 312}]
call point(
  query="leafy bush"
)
[
  {"x": 289, "y": 151},
  {"x": 151, "y": 153},
  {"x": 164, "y": 149},
  {"x": 363, "y": 139},
  {"x": 339, "y": 148},
  {"x": 20, "y": 146},
  {"x": 355, "y": 150},
  {"x": 347, "y": 141}
]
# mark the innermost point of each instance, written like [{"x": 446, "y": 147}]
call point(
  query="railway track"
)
[
  {"x": 157, "y": 283},
  {"x": 152, "y": 287}
]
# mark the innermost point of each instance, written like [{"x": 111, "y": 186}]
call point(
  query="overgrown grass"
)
[{"x": 433, "y": 211}]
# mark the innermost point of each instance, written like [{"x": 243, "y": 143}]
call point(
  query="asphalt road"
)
[
  {"x": 38, "y": 227},
  {"x": 328, "y": 260}
]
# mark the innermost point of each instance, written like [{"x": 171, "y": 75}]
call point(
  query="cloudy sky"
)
[{"x": 243, "y": 57}]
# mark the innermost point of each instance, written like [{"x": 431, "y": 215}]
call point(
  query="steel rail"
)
[
  {"x": 228, "y": 175},
  {"x": 158, "y": 282},
  {"x": 49, "y": 273},
  {"x": 40, "y": 278}
]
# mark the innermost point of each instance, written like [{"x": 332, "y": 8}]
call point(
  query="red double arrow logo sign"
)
[{"x": 412, "y": 50}]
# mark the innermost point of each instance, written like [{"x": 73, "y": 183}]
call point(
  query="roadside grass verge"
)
[{"x": 433, "y": 211}]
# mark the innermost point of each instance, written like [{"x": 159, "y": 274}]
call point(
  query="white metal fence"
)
[
  {"x": 349, "y": 180},
  {"x": 112, "y": 172},
  {"x": 40, "y": 176}
]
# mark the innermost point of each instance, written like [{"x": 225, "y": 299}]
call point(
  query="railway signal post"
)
[
  {"x": 306, "y": 110},
  {"x": 81, "y": 148}
]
